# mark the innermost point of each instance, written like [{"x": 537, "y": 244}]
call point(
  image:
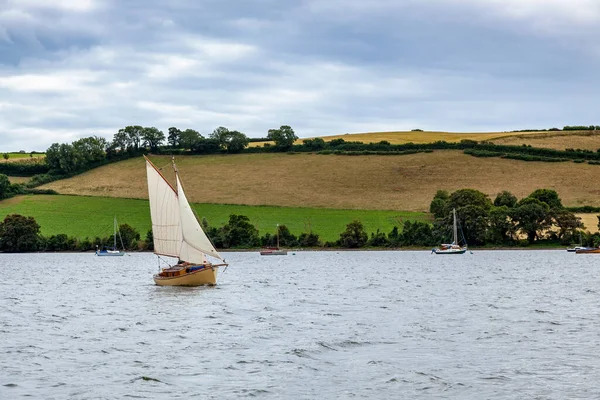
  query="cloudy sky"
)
[{"x": 75, "y": 68}]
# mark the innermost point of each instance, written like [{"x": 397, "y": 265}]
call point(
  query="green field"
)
[
  {"x": 83, "y": 216},
  {"x": 16, "y": 155}
]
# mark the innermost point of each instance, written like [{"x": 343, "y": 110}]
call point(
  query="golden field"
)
[
  {"x": 401, "y": 137},
  {"x": 588, "y": 140},
  {"x": 406, "y": 182},
  {"x": 560, "y": 140}
]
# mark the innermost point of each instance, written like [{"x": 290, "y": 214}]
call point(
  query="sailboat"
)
[
  {"x": 454, "y": 247},
  {"x": 274, "y": 251},
  {"x": 113, "y": 251},
  {"x": 579, "y": 248},
  {"x": 177, "y": 233}
]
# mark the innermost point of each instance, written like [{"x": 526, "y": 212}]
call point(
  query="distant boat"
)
[
  {"x": 112, "y": 252},
  {"x": 273, "y": 251},
  {"x": 177, "y": 233},
  {"x": 580, "y": 247},
  {"x": 588, "y": 250},
  {"x": 454, "y": 247}
]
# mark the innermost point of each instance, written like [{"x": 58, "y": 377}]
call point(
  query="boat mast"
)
[
  {"x": 278, "y": 236},
  {"x": 115, "y": 233},
  {"x": 455, "y": 228}
]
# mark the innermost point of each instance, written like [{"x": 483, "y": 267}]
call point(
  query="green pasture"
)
[
  {"x": 82, "y": 216},
  {"x": 15, "y": 155}
]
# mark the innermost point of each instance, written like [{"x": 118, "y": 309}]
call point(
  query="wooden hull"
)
[
  {"x": 205, "y": 276},
  {"x": 588, "y": 251},
  {"x": 273, "y": 253}
]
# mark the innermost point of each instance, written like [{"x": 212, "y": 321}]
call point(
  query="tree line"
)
[{"x": 505, "y": 221}]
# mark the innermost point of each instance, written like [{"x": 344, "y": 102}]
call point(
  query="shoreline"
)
[{"x": 256, "y": 250}]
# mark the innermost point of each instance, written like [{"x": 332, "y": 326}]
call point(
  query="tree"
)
[
  {"x": 174, "y": 135},
  {"x": 220, "y": 134},
  {"x": 531, "y": 217},
  {"x": 239, "y": 232},
  {"x": 129, "y": 236},
  {"x": 53, "y": 156},
  {"x": 19, "y": 234},
  {"x": 354, "y": 236},
  {"x": 152, "y": 137},
  {"x": 500, "y": 227},
  {"x": 438, "y": 204},
  {"x": 149, "y": 241},
  {"x": 416, "y": 233},
  {"x": 134, "y": 134},
  {"x": 90, "y": 149},
  {"x": 189, "y": 138},
  {"x": 206, "y": 146},
  {"x": 547, "y": 196},
  {"x": 120, "y": 140},
  {"x": 284, "y": 137},
  {"x": 235, "y": 141},
  {"x": 69, "y": 159},
  {"x": 505, "y": 198},
  {"x": 314, "y": 144},
  {"x": 567, "y": 223},
  {"x": 468, "y": 197},
  {"x": 6, "y": 156},
  {"x": 378, "y": 239},
  {"x": 5, "y": 186},
  {"x": 309, "y": 240}
]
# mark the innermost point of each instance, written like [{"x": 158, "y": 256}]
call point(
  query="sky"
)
[{"x": 76, "y": 68}]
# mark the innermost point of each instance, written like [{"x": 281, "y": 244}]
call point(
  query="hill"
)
[
  {"x": 406, "y": 182},
  {"x": 559, "y": 140}
]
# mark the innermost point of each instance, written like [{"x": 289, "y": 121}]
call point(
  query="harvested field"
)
[
  {"x": 402, "y": 137},
  {"x": 18, "y": 179},
  {"x": 587, "y": 140},
  {"x": 590, "y": 221},
  {"x": 405, "y": 182}
]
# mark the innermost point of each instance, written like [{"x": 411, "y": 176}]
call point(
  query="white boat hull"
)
[{"x": 109, "y": 253}]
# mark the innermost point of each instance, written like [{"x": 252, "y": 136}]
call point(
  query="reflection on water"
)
[{"x": 493, "y": 324}]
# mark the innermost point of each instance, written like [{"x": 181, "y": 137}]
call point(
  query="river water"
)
[{"x": 309, "y": 325}]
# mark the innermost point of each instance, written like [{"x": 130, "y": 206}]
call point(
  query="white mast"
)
[{"x": 455, "y": 228}]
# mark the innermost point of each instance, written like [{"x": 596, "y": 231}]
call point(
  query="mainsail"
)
[{"x": 175, "y": 229}]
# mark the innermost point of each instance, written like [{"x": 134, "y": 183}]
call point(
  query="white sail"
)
[
  {"x": 195, "y": 244},
  {"x": 164, "y": 212}
]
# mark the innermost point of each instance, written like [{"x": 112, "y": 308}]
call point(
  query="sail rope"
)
[{"x": 161, "y": 259}]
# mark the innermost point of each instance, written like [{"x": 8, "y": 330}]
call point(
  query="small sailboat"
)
[
  {"x": 177, "y": 233},
  {"x": 274, "y": 251},
  {"x": 580, "y": 247},
  {"x": 454, "y": 247},
  {"x": 113, "y": 251}
]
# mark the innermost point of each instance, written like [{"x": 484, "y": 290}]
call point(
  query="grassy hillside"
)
[
  {"x": 406, "y": 182},
  {"x": 93, "y": 216}
]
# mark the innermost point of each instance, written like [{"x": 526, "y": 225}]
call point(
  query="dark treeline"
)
[
  {"x": 506, "y": 221},
  {"x": 65, "y": 160}
]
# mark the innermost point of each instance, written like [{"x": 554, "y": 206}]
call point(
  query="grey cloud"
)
[{"x": 323, "y": 67}]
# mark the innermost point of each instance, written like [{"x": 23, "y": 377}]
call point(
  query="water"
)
[{"x": 326, "y": 325}]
